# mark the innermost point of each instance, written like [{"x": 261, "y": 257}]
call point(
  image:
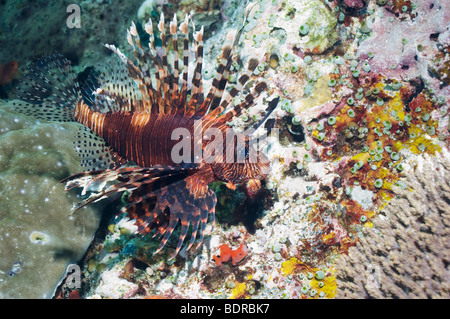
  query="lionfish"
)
[{"x": 128, "y": 116}]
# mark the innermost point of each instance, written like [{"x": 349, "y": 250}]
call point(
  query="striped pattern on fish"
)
[{"x": 129, "y": 110}]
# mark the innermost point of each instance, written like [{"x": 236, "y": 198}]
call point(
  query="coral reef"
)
[
  {"x": 406, "y": 252},
  {"x": 356, "y": 205},
  {"x": 349, "y": 126},
  {"x": 38, "y": 236}
]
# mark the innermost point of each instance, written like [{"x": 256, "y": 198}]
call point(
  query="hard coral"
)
[
  {"x": 37, "y": 234},
  {"x": 406, "y": 253}
]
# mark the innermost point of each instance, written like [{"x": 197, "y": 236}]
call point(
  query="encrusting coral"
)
[{"x": 407, "y": 252}]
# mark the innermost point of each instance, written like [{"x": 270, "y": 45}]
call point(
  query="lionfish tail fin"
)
[
  {"x": 48, "y": 90},
  {"x": 158, "y": 209}
]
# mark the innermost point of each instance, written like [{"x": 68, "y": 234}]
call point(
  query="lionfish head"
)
[{"x": 246, "y": 163}]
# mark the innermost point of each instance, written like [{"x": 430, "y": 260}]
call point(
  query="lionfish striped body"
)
[{"x": 129, "y": 118}]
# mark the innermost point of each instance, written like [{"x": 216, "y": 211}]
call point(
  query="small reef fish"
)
[{"x": 129, "y": 111}]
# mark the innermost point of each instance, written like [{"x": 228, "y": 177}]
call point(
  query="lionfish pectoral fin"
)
[
  {"x": 100, "y": 185},
  {"x": 161, "y": 209},
  {"x": 110, "y": 87},
  {"x": 94, "y": 152}
]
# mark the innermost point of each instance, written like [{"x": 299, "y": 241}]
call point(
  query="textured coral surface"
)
[
  {"x": 406, "y": 253},
  {"x": 38, "y": 236}
]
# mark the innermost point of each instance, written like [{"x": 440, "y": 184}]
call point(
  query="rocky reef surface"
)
[
  {"x": 43, "y": 26},
  {"x": 362, "y": 118}
]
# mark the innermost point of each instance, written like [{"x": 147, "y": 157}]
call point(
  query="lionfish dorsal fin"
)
[
  {"x": 238, "y": 87},
  {"x": 164, "y": 75},
  {"x": 184, "y": 28},
  {"x": 219, "y": 115},
  {"x": 249, "y": 99},
  {"x": 165, "y": 95},
  {"x": 219, "y": 81},
  {"x": 197, "y": 81},
  {"x": 160, "y": 97},
  {"x": 176, "y": 66},
  {"x": 215, "y": 102}
]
